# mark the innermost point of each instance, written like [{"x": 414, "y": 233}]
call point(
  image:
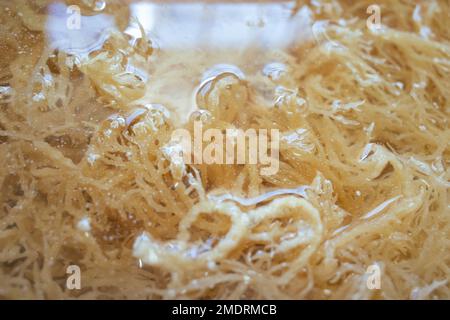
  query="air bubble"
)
[{"x": 99, "y": 5}]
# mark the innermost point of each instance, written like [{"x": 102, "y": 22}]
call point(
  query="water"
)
[{"x": 195, "y": 42}]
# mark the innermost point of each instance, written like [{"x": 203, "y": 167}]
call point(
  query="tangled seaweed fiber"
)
[{"x": 363, "y": 178}]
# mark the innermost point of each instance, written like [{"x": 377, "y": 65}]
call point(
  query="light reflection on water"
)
[
  {"x": 222, "y": 25},
  {"x": 90, "y": 36}
]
